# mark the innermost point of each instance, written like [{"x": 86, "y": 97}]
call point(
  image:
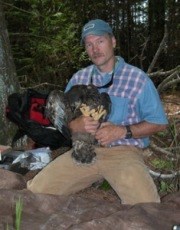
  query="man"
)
[{"x": 136, "y": 114}]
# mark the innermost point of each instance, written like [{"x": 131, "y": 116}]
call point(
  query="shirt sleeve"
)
[
  {"x": 150, "y": 106},
  {"x": 68, "y": 87},
  {"x": 70, "y": 84}
]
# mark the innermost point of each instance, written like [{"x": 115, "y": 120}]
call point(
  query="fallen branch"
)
[
  {"x": 17, "y": 8},
  {"x": 160, "y": 73},
  {"x": 173, "y": 79},
  {"x": 42, "y": 85},
  {"x": 176, "y": 148},
  {"x": 143, "y": 50},
  {"x": 162, "y": 150},
  {"x": 174, "y": 114},
  {"x": 162, "y": 175},
  {"x": 168, "y": 152},
  {"x": 171, "y": 101},
  {"x": 159, "y": 50},
  {"x": 30, "y": 35}
]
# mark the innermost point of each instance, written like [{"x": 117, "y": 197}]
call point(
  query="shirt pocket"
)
[{"x": 119, "y": 110}]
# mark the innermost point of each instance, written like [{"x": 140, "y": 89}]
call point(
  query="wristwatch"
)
[{"x": 129, "y": 133}]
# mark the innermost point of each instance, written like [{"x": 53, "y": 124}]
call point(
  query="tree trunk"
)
[{"x": 8, "y": 81}]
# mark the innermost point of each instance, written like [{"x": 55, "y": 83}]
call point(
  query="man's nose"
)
[{"x": 95, "y": 47}]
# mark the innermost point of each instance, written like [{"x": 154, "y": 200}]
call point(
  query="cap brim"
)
[{"x": 95, "y": 32}]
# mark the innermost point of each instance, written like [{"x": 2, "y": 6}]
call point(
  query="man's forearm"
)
[
  {"x": 145, "y": 129},
  {"x": 109, "y": 132}
]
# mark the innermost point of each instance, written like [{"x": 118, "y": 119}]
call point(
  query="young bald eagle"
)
[{"x": 61, "y": 108}]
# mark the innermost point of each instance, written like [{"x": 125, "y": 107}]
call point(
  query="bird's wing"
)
[
  {"x": 106, "y": 103},
  {"x": 56, "y": 111}
]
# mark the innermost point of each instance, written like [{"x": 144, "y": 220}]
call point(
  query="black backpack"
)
[{"x": 26, "y": 110}]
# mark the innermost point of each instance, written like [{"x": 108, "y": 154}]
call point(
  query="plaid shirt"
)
[{"x": 133, "y": 95}]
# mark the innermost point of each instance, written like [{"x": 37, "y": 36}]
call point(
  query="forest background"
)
[
  {"x": 45, "y": 43},
  {"x": 45, "y": 35}
]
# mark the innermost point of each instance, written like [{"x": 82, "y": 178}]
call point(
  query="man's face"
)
[{"x": 100, "y": 50}]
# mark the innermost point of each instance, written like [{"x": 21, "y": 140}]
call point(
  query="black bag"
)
[{"x": 27, "y": 112}]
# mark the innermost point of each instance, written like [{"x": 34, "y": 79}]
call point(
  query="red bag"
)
[
  {"x": 36, "y": 111},
  {"x": 27, "y": 111}
]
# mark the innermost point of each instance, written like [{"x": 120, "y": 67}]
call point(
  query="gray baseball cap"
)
[{"x": 95, "y": 27}]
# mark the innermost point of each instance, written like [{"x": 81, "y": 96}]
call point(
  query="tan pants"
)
[{"x": 121, "y": 166}]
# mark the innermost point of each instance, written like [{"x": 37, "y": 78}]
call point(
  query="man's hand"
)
[
  {"x": 84, "y": 124},
  {"x": 109, "y": 132}
]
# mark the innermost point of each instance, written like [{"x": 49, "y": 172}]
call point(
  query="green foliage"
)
[
  {"x": 45, "y": 35},
  {"x": 19, "y": 207},
  {"x": 162, "y": 134},
  {"x": 18, "y": 215},
  {"x": 105, "y": 186},
  {"x": 170, "y": 136},
  {"x": 166, "y": 187},
  {"x": 162, "y": 164},
  {"x": 173, "y": 129},
  {"x": 44, "y": 47}
]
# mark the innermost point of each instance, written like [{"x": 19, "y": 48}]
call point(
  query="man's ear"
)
[{"x": 114, "y": 42}]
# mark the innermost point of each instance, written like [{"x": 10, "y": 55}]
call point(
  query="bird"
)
[{"x": 63, "y": 107}]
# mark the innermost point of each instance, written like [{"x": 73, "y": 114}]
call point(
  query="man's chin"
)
[{"x": 98, "y": 61}]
